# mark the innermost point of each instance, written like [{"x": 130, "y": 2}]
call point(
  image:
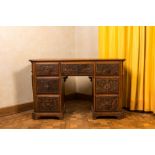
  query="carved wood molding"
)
[{"x": 16, "y": 109}]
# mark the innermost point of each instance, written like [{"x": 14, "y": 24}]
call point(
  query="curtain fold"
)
[{"x": 137, "y": 45}]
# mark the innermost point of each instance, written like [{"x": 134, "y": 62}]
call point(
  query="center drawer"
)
[{"x": 77, "y": 69}]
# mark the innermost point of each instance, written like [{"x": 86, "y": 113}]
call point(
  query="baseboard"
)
[
  {"x": 139, "y": 111},
  {"x": 78, "y": 96},
  {"x": 16, "y": 109},
  {"x": 29, "y": 106}
]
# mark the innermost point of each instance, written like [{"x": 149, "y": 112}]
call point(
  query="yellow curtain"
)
[{"x": 137, "y": 45}]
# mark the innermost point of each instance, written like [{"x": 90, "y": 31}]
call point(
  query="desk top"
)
[{"x": 71, "y": 60}]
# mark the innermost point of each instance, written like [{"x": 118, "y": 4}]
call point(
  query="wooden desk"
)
[{"x": 48, "y": 78}]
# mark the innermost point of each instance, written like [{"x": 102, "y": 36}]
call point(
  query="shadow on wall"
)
[
  {"x": 23, "y": 85},
  {"x": 126, "y": 88},
  {"x": 84, "y": 85},
  {"x": 78, "y": 84},
  {"x": 70, "y": 85}
]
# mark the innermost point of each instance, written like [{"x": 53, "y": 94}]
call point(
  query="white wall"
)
[
  {"x": 19, "y": 44},
  {"x": 86, "y": 46},
  {"x": 86, "y": 41}
]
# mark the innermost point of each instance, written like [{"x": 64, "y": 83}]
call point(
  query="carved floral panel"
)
[
  {"x": 48, "y": 104},
  {"x": 47, "y": 69},
  {"x": 77, "y": 69},
  {"x": 106, "y": 103},
  {"x": 47, "y": 85},
  {"x": 107, "y": 69},
  {"x": 107, "y": 85}
]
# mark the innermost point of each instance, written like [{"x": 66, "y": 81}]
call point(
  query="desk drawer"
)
[
  {"x": 107, "y": 85},
  {"x": 47, "y": 69},
  {"x": 108, "y": 69},
  {"x": 106, "y": 103},
  {"x": 77, "y": 69},
  {"x": 47, "y": 85},
  {"x": 48, "y": 104}
]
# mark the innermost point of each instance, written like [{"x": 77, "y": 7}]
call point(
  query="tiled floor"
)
[{"x": 78, "y": 116}]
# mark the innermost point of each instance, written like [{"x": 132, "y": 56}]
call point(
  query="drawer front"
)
[
  {"x": 47, "y": 69},
  {"x": 47, "y": 85},
  {"x": 107, "y": 69},
  {"x": 107, "y": 85},
  {"x": 106, "y": 103},
  {"x": 48, "y": 104},
  {"x": 77, "y": 69}
]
